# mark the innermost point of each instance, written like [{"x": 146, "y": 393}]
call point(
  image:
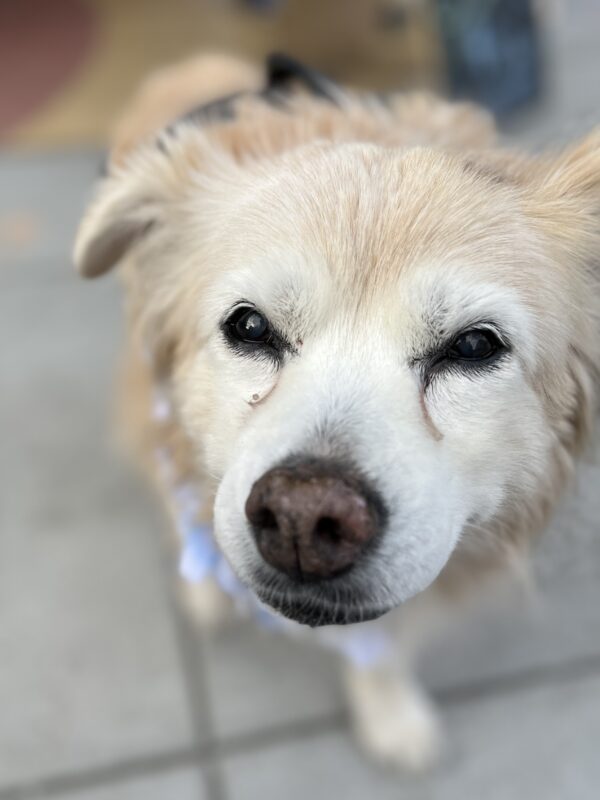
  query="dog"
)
[{"x": 363, "y": 344}]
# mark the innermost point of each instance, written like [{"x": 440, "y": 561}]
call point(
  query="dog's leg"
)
[
  {"x": 394, "y": 720},
  {"x": 206, "y": 603}
]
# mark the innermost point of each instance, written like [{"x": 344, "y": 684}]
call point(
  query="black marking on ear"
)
[
  {"x": 220, "y": 110},
  {"x": 283, "y": 71}
]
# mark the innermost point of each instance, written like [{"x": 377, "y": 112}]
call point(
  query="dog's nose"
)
[{"x": 310, "y": 521}]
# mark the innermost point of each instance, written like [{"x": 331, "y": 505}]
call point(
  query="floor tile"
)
[
  {"x": 540, "y": 743},
  {"x": 185, "y": 785},
  {"x": 259, "y": 679},
  {"x": 42, "y": 198},
  {"x": 90, "y": 671}
]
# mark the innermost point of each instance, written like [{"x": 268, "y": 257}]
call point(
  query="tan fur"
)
[
  {"x": 258, "y": 131},
  {"x": 448, "y": 152},
  {"x": 261, "y": 131},
  {"x": 177, "y": 89}
]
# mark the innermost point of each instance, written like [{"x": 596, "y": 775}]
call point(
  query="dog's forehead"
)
[
  {"x": 368, "y": 215},
  {"x": 407, "y": 242}
]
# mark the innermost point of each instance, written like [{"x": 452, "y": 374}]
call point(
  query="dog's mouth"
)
[
  {"x": 317, "y": 614},
  {"x": 315, "y": 606}
]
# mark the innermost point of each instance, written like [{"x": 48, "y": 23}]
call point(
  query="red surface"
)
[{"x": 42, "y": 45}]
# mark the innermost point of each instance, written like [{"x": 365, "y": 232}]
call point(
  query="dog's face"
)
[{"x": 380, "y": 355}]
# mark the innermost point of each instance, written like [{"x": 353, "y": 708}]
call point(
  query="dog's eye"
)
[
  {"x": 473, "y": 351},
  {"x": 248, "y": 325},
  {"x": 249, "y": 333},
  {"x": 474, "y": 345}
]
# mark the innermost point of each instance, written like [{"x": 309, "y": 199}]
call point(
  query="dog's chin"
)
[{"x": 317, "y": 612}]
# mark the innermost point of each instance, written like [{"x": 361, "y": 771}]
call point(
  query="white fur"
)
[{"x": 366, "y": 252}]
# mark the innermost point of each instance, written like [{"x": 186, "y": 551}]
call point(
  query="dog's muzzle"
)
[{"x": 314, "y": 523}]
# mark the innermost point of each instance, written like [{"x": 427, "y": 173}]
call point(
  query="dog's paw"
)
[
  {"x": 208, "y": 606},
  {"x": 406, "y": 734},
  {"x": 395, "y": 723}
]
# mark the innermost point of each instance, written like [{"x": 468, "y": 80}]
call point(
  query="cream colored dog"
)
[{"x": 377, "y": 335}]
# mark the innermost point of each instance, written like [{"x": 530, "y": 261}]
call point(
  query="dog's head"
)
[{"x": 382, "y": 355}]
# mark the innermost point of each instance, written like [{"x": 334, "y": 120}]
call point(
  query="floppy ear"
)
[
  {"x": 577, "y": 171},
  {"x": 129, "y": 204},
  {"x": 568, "y": 208},
  {"x": 567, "y": 192},
  {"x": 131, "y": 201},
  {"x": 553, "y": 183},
  {"x": 112, "y": 224}
]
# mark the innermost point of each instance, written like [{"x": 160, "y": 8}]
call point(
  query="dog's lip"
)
[{"x": 317, "y": 613}]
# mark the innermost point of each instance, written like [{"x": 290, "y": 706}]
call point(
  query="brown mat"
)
[
  {"x": 41, "y": 45},
  {"x": 67, "y": 67}
]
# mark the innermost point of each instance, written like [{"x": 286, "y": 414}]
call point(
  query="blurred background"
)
[{"x": 106, "y": 689}]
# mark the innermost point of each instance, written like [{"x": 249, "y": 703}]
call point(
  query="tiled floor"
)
[{"x": 106, "y": 690}]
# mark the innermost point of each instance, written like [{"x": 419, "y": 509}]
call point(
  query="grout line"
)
[
  {"x": 214, "y": 781},
  {"x": 579, "y": 668},
  {"x": 205, "y": 755},
  {"x": 244, "y": 743},
  {"x": 196, "y": 686},
  {"x": 154, "y": 764},
  {"x": 194, "y": 672}
]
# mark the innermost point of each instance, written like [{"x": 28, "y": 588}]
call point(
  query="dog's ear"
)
[
  {"x": 129, "y": 203},
  {"x": 566, "y": 207},
  {"x": 177, "y": 90},
  {"x": 566, "y": 196},
  {"x": 552, "y": 184},
  {"x": 576, "y": 172},
  {"x": 143, "y": 163}
]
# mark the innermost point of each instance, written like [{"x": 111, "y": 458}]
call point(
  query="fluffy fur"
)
[{"x": 369, "y": 233}]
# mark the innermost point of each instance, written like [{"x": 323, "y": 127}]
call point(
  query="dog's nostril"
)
[
  {"x": 328, "y": 530},
  {"x": 264, "y": 518}
]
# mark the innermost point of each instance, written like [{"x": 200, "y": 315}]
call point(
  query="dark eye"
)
[
  {"x": 475, "y": 345},
  {"x": 248, "y": 325}
]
